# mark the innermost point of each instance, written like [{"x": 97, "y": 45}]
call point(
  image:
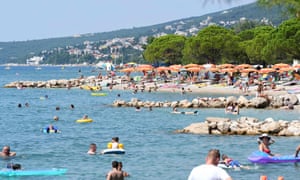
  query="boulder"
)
[
  {"x": 271, "y": 128},
  {"x": 292, "y": 98},
  {"x": 216, "y": 120},
  {"x": 231, "y": 99},
  {"x": 174, "y": 104},
  {"x": 216, "y": 104},
  {"x": 259, "y": 102},
  {"x": 242, "y": 101},
  {"x": 197, "y": 128}
]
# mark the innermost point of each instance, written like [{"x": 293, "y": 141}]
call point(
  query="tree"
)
[
  {"x": 254, "y": 47},
  {"x": 213, "y": 44},
  {"x": 284, "y": 43},
  {"x": 293, "y": 6},
  {"x": 167, "y": 49}
]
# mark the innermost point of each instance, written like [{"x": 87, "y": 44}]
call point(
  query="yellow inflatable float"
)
[
  {"x": 91, "y": 88},
  {"x": 84, "y": 120},
  {"x": 99, "y": 94}
]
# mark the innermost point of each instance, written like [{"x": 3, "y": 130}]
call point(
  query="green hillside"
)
[{"x": 18, "y": 52}]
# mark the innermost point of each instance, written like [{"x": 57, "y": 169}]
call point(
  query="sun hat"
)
[
  {"x": 260, "y": 138},
  {"x": 263, "y": 136}
]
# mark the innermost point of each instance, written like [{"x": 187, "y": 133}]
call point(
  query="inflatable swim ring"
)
[
  {"x": 263, "y": 158},
  {"x": 84, "y": 120},
  {"x": 99, "y": 94},
  {"x": 49, "y": 172},
  {"x": 54, "y": 130},
  {"x": 120, "y": 145},
  {"x": 113, "y": 151}
]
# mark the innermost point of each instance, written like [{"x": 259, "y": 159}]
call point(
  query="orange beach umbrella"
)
[
  {"x": 243, "y": 66},
  {"x": 223, "y": 66},
  {"x": 162, "y": 68},
  {"x": 127, "y": 70},
  {"x": 266, "y": 70},
  {"x": 281, "y": 65}
]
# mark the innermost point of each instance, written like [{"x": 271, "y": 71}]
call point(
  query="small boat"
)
[
  {"x": 84, "y": 120},
  {"x": 263, "y": 158},
  {"x": 113, "y": 151},
  {"x": 49, "y": 172}
]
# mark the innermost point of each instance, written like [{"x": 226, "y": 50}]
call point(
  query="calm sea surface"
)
[{"x": 153, "y": 151}]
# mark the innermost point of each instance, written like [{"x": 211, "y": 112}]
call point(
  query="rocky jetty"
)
[
  {"x": 220, "y": 102},
  {"x": 54, "y": 83},
  {"x": 244, "y": 126}
]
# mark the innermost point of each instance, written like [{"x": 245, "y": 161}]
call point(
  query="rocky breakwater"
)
[
  {"x": 54, "y": 83},
  {"x": 220, "y": 102},
  {"x": 244, "y": 126}
]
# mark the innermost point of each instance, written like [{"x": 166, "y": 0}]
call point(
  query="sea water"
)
[{"x": 153, "y": 150}]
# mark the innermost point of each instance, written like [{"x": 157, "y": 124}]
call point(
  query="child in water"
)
[
  {"x": 230, "y": 162},
  {"x": 115, "y": 143}
]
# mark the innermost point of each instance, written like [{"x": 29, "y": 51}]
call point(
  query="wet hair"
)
[
  {"x": 114, "y": 164},
  {"x": 72, "y": 106},
  {"x": 115, "y": 139},
  {"x": 92, "y": 144},
  {"x": 16, "y": 166},
  {"x": 57, "y": 108},
  {"x": 19, "y": 105},
  {"x": 224, "y": 156}
]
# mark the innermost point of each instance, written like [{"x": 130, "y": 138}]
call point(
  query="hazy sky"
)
[{"x": 39, "y": 19}]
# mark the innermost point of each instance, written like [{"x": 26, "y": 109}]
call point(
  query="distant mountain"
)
[{"x": 19, "y": 51}]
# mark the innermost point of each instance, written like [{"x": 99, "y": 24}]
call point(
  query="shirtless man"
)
[
  {"x": 6, "y": 152},
  {"x": 115, "y": 174},
  {"x": 93, "y": 149}
]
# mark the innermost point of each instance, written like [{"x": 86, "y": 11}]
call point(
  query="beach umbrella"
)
[
  {"x": 285, "y": 69},
  {"x": 248, "y": 70},
  {"x": 266, "y": 70},
  {"x": 243, "y": 66},
  {"x": 194, "y": 69},
  {"x": 175, "y": 67},
  {"x": 228, "y": 70},
  {"x": 127, "y": 70},
  {"x": 162, "y": 68},
  {"x": 213, "y": 69},
  {"x": 280, "y": 65},
  {"x": 191, "y": 65},
  {"x": 223, "y": 66},
  {"x": 144, "y": 68}
]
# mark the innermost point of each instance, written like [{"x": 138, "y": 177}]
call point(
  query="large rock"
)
[
  {"x": 215, "y": 103},
  {"x": 231, "y": 99},
  {"x": 197, "y": 128},
  {"x": 174, "y": 104},
  {"x": 242, "y": 101},
  {"x": 271, "y": 128},
  {"x": 292, "y": 98},
  {"x": 216, "y": 119},
  {"x": 259, "y": 102}
]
